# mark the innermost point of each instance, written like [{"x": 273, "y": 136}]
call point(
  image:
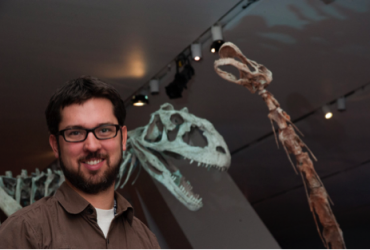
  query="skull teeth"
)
[
  {"x": 190, "y": 195},
  {"x": 185, "y": 190},
  {"x": 193, "y": 197},
  {"x": 206, "y": 165}
]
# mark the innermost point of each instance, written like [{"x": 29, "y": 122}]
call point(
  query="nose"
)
[{"x": 91, "y": 143}]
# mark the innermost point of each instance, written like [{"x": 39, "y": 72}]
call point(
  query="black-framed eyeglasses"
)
[{"x": 102, "y": 132}]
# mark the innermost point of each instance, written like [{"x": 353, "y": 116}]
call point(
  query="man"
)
[{"x": 87, "y": 134}]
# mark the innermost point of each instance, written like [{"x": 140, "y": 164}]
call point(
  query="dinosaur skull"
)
[
  {"x": 253, "y": 76},
  {"x": 182, "y": 135}
]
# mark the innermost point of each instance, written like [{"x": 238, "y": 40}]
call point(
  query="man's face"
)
[{"x": 91, "y": 165}]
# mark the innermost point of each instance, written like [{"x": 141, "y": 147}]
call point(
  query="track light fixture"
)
[
  {"x": 328, "y": 114},
  {"x": 341, "y": 104},
  {"x": 216, "y": 31},
  {"x": 175, "y": 88},
  {"x": 140, "y": 99},
  {"x": 196, "y": 51},
  {"x": 154, "y": 86}
]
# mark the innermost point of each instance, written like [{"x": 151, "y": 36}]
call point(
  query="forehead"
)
[{"x": 88, "y": 114}]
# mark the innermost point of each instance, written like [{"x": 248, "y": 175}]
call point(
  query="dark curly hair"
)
[{"x": 78, "y": 91}]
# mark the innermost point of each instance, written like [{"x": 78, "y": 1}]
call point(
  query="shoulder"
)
[
  {"x": 35, "y": 211},
  {"x": 30, "y": 217},
  {"x": 24, "y": 228}
]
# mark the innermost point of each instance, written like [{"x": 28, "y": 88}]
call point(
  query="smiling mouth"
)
[{"x": 93, "y": 162}]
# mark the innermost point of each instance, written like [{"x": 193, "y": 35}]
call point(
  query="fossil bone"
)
[
  {"x": 256, "y": 77},
  {"x": 26, "y": 189}
]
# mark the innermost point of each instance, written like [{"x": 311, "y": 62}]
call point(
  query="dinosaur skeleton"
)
[
  {"x": 256, "y": 77},
  {"x": 170, "y": 133}
]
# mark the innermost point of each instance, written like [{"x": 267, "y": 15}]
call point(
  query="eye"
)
[
  {"x": 105, "y": 130},
  {"x": 73, "y": 132}
]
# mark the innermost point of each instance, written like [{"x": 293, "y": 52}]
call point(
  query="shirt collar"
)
[
  {"x": 123, "y": 206},
  {"x": 73, "y": 203}
]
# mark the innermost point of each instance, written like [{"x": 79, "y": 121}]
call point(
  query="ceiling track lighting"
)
[
  {"x": 154, "y": 86},
  {"x": 341, "y": 104},
  {"x": 328, "y": 114},
  {"x": 175, "y": 88},
  {"x": 216, "y": 31},
  {"x": 140, "y": 99},
  {"x": 196, "y": 51}
]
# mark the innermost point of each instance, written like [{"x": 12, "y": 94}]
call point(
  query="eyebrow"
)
[{"x": 81, "y": 127}]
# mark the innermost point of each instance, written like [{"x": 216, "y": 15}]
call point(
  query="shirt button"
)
[{"x": 90, "y": 211}]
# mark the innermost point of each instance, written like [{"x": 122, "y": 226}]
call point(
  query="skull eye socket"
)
[
  {"x": 220, "y": 149},
  {"x": 195, "y": 138},
  {"x": 176, "y": 119}
]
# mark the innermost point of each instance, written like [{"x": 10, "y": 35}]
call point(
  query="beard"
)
[{"x": 87, "y": 184}]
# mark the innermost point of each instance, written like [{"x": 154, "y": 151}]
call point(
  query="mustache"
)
[{"x": 93, "y": 155}]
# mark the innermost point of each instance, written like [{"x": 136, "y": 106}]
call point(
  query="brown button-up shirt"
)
[{"x": 66, "y": 220}]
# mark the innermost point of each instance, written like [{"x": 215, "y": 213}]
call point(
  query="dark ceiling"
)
[{"x": 316, "y": 51}]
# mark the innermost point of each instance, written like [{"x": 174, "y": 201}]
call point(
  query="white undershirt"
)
[{"x": 104, "y": 218}]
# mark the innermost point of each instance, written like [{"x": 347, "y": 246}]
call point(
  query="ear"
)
[
  {"x": 124, "y": 137},
  {"x": 54, "y": 145}
]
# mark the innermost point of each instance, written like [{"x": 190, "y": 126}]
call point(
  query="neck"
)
[{"x": 101, "y": 200}]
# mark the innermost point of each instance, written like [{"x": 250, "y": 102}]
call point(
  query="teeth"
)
[
  {"x": 191, "y": 161},
  {"x": 193, "y": 197},
  {"x": 93, "y": 162}
]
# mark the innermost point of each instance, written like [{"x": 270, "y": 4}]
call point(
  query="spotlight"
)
[
  {"x": 327, "y": 112},
  {"x": 175, "y": 88},
  {"x": 196, "y": 51},
  {"x": 140, "y": 99},
  {"x": 341, "y": 104},
  {"x": 154, "y": 86},
  {"x": 217, "y": 38}
]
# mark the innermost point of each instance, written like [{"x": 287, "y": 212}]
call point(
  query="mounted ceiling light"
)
[
  {"x": 154, "y": 86},
  {"x": 140, "y": 99},
  {"x": 328, "y": 114},
  {"x": 341, "y": 104},
  {"x": 196, "y": 51},
  {"x": 217, "y": 38}
]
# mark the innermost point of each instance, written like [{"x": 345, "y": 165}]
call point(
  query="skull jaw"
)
[
  {"x": 184, "y": 195},
  {"x": 156, "y": 168}
]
